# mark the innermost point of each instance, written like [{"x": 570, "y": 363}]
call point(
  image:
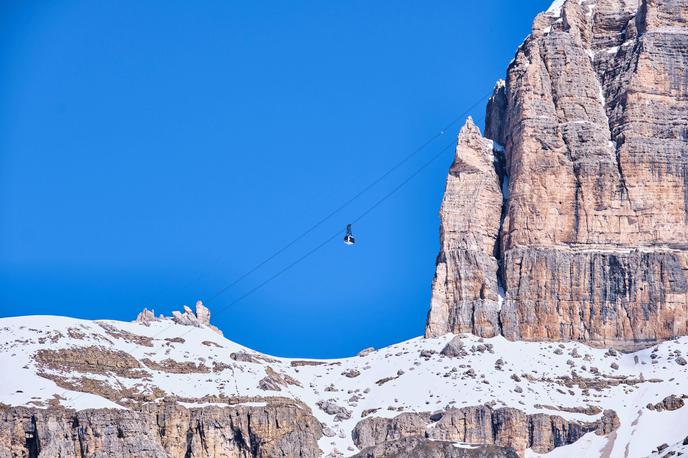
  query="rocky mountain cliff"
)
[{"x": 569, "y": 221}]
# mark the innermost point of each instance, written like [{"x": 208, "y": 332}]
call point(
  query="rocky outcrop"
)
[
  {"x": 283, "y": 428},
  {"x": 146, "y": 317},
  {"x": 454, "y": 348},
  {"x": 593, "y": 244},
  {"x": 274, "y": 381},
  {"x": 200, "y": 318},
  {"x": 419, "y": 447},
  {"x": 669, "y": 403},
  {"x": 506, "y": 427},
  {"x": 93, "y": 360},
  {"x": 465, "y": 291}
]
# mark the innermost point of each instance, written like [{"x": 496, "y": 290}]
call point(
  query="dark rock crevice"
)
[{"x": 32, "y": 441}]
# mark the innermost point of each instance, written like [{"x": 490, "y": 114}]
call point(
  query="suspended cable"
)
[
  {"x": 327, "y": 217},
  {"x": 338, "y": 233},
  {"x": 396, "y": 166}
]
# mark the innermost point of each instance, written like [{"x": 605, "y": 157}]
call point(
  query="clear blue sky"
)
[{"x": 153, "y": 151}]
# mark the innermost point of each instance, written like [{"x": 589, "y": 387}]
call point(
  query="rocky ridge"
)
[
  {"x": 199, "y": 318},
  {"x": 77, "y": 383}
]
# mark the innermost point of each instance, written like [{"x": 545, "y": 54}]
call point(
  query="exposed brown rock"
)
[
  {"x": 594, "y": 241},
  {"x": 146, "y": 317},
  {"x": 251, "y": 357},
  {"x": 76, "y": 333},
  {"x": 126, "y": 335},
  {"x": 274, "y": 381},
  {"x": 416, "y": 447},
  {"x": 94, "y": 360},
  {"x": 669, "y": 403},
  {"x": 465, "y": 291},
  {"x": 176, "y": 367},
  {"x": 116, "y": 392},
  {"x": 506, "y": 427},
  {"x": 279, "y": 429},
  {"x": 588, "y": 410}
]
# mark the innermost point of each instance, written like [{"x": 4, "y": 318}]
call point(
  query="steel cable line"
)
[
  {"x": 338, "y": 233},
  {"x": 300, "y": 259},
  {"x": 328, "y": 216},
  {"x": 365, "y": 189}
]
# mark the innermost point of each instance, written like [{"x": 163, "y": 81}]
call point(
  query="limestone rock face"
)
[
  {"x": 161, "y": 430},
  {"x": 508, "y": 428},
  {"x": 146, "y": 317},
  {"x": 466, "y": 273},
  {"x": 604, "y": 297},
  {"x": 593, "y": 245},
  {"x": 420, "y": 447},
  {"x": 202, "y": 313},
  {"x": 200, "y": 318}
]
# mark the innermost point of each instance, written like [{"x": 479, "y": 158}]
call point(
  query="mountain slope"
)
[{"x": 167, "y": 367}]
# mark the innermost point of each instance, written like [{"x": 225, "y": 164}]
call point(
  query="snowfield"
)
[{"x": 411, "y": 376}]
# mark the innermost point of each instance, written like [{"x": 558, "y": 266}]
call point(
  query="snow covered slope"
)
[{"x": 133, "y": 361}]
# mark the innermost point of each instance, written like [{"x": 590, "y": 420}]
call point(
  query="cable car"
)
[{"x": 349, "y": 238}]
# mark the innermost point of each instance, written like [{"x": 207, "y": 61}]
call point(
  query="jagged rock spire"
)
[
  {"x": 200, "y": 318},
  {"x": 465, "y": 288}
]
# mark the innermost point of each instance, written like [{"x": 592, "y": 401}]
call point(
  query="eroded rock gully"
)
[{"x": 587, "y": 237}]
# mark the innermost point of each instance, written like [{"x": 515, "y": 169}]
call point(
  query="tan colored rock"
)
[
  {"x": 274, "y": 381},
  {"x": 481, "y": 425},
  {"x": 200, "y": 318},
  {"x": 465, "y": 290},
  {"x": 594, "y": 241},
  {"x": 202, "y": 313},
  {"x": 282, "y": 428},
  {"x": 146, "y": 317},
  {"x": 171, "y": 366},
  {"x": 605, "y": 298},
  {"x": 421, "y": 447},
  {"x": 126, "y": 336},
  {"x": 91, "y": 359}
]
